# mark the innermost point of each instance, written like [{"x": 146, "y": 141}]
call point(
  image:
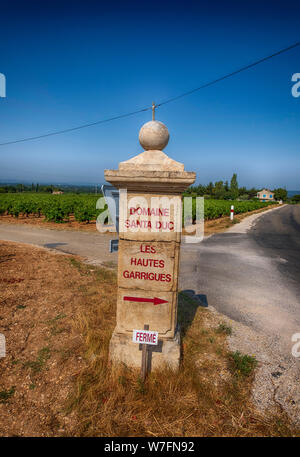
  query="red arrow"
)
[{"x": 155, "y": 300}]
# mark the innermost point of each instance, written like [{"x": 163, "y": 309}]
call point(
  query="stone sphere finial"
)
[{"x": 154, "y": 135}]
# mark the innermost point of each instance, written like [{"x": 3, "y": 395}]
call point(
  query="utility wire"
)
[
  {"x": 83, "y": 126},
  {"x": 169, "y": 100}
]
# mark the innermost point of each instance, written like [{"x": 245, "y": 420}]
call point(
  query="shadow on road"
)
[
  {"x": 187, "y": 308},
  {"x": 200, "y": 298},
  {"x": 54, "y": 245}
]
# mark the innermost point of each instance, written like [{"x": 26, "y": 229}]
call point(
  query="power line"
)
[
  {"x": 169, "y": 100},
  {"x": 83, "y": 126}
]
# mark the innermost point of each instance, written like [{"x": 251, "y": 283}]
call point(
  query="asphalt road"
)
[
  {"x": 93, "y": 247},
  {"x": 251, "y": 273}
]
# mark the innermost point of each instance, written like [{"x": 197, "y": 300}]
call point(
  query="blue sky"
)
[{"x": 68, "y": 63}]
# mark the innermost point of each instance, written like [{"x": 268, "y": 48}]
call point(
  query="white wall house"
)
[{"x": 265, "y": 195}]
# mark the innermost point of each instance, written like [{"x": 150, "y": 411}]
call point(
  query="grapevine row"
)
[{"x": 59, "y": 208}]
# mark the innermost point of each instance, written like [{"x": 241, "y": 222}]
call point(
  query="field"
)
[
  {"x": 55, "y": 208},
  {"x": 214, "y": 209},
  {"x": 82, "y": 207}
]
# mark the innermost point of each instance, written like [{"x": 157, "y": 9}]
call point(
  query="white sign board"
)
[{"x": 145, "y": 337}]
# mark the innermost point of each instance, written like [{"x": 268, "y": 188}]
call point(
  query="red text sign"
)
[
  {"x": 155, "y": 300},
  {"x": 147, "y": 262},
  {"x": 145, "y": 337}
]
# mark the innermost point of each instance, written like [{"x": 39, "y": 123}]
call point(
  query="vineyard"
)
[
  {"x": 55, "y": 208},
  {"x": 214, "y": 209},
  {"x": 59, "y": 208}
]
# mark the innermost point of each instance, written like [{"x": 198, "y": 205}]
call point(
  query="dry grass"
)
[
  {"x": 58, "y": 315},
  {"x": 41, "y": 294},
  {"x": 209, "y": 396}
]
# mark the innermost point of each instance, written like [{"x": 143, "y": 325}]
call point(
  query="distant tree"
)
[
  {"x": 210, "y": 188},
  {"x": 244, "y": 197},
  {"x": 280, "y": 194},
  {"x": 226, "y": 186},
  {"x": 219, "y": 191},
  {"x": 234, "y": 187},
  {"x": 190, "y": 190},
  {"x": 196, "y": 190},
  {"x": 252, "y": 192},
  {"x": 296, "y": 198},
  {"x": 227, "y": 195},
  {"x": 200, "y": 190}
]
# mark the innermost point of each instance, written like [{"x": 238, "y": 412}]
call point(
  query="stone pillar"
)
[{"x": 151, "y": 185}]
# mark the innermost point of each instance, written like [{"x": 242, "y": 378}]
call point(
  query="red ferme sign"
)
[{"x": 145, "y": 337}]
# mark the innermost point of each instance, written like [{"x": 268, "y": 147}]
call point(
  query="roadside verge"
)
[{"x": 56, "y": 380}]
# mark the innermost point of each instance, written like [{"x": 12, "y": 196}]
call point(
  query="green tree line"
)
[
  {"x": 222, "y": 190},
  {"x": 48, "y": 188}
]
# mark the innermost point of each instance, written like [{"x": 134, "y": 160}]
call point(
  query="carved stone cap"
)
[
  {"x": 152, "y": 160},
  {"x": 168, "y": 182},
  {"x": 151, "y": 171}
]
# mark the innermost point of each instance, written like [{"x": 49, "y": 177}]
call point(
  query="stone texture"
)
[
  {"x": 167, "y": 227},
  {"x": 134, "y": 315},
  {"x": 151, "y": 171},
  {"x": 123, "y": 350},
  {"x": 145, "y": 180},
  {"x": 160, "y": 266},
  {"x": 152, "y": 160},
  {"x": 149, "y": 181},
  {"x": 154, "y": 135}
]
